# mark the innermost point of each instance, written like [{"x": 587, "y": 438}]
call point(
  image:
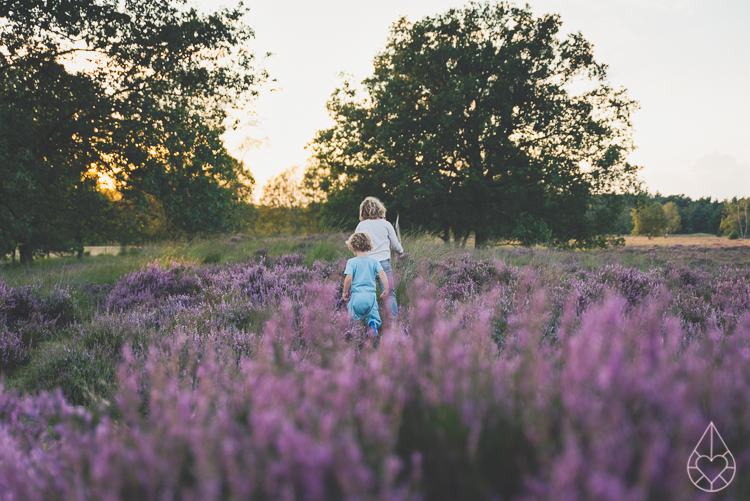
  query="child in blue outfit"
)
[{"x": 360, "y": 278}]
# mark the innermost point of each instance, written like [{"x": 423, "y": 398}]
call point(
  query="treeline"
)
[{"x": 703, "y": 215}]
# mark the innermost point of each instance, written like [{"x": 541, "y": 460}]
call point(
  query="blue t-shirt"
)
[{"x": 363, "y": 271}]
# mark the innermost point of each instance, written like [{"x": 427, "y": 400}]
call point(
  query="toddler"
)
[
  {"x": 360, "y": 277},
  {"x": 372, "y": 222}
]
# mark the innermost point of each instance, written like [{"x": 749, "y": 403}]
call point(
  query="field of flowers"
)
[{"x": 510, "y": 374}]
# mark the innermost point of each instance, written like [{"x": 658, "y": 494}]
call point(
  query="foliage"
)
[
  {"x": 285, "y": 208},
  {"x": 127, "y": 94},
  {"x": 736, "y": 217},
  {"x": 702, "y": 215},
  {"x": 81, "y": 374},
  {"x": 650, "y": 220},
  {"x": 673, "y": 217},
  {"x": 469, "y": 124}
]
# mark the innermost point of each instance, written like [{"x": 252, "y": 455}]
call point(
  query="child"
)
[
  {"x": 372, "y": 222},
  {"x": 360, "y": 276}
]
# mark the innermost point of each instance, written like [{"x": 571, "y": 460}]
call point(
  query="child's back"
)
[
  {"x": 363, "y": 271},
  {"x": 383, "y": 238},
  {"x": 359, "y": 281}
]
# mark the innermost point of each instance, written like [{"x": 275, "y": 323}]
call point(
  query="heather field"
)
[{"x": 228, "y": 369}]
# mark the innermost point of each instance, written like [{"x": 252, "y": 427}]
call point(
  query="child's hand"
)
[
  {"x": 345, "y": 296},
  {"x": 385, "y": 294}
]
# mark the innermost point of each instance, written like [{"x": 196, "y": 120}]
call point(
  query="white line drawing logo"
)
[{"x": 711, "y": 466}]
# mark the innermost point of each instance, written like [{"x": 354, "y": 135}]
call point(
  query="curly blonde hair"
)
[
  {"x": 371, "y": 208},
  {"x": 359, "y": 242}
]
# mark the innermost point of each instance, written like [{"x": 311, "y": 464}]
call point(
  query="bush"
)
[
  {"x": 21, "y": 305},
  {"x": 733, "y": 235},
  {"x": 150, "y": 286},
  {"x": 79, "y": 373},
  {"x": 13, "y": 352}
]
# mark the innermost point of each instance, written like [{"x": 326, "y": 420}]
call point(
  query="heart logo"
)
[{"x": 712, "y": 468}]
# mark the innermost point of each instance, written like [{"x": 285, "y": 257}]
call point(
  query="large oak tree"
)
[
  {"x": 483, "y": 120},
  {"x": 135, "y": 90}
]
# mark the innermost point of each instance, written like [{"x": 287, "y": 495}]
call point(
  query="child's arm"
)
[
  {"x": 384, "y": 281},
  {"x": 347, "y": 286}
]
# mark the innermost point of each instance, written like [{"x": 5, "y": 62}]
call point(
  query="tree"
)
[
  {"x": 48, "y": 197},
  {"x": 736, "y": 216},
  {"x": 649, "y": 220},
  {"x": 132, "y": 92},
  {"x": 470, "y": 124},
  {"x": 672, "y": 214},
  {"x": 285, "y": 207}
]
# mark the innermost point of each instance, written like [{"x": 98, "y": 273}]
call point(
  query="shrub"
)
[
  {"x": 28, "y": 316},
  {"x": 463, "y": 277},
  {"x": 78, "y": 372},
  {"x": 151, "y": 285},
  {"x": 733, "y": 235},
  {"x": 13, "y": 352}
]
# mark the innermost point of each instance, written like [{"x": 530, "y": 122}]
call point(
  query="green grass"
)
[{"x": 107, "y": 268}]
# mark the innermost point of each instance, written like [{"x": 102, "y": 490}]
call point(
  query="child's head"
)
[
  {"x": 359, "y": 242},
  {"x": 371, "y": 208}
]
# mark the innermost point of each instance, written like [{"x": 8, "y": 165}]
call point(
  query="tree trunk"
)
[
  {"x": 480, "y": 239},
  {"x": 464, "y": 238},
  {"x": 25, "y": 254},
  {"x": 79, "y": 241},
  {"x": 446, "y": 236}
]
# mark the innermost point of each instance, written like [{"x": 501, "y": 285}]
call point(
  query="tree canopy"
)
[
  {"x": 674, "y": 220},
  {"x": 133, "y": 93},
  {"x": 650, "y": 220},
  {"x": 737, "y": 217},
  {"x": 483, "y": 120}
]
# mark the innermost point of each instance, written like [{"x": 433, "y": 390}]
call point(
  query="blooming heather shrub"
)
[
  {"x": 633, "y": 284},
  {"x": 151, "y": 285},
  {"x": 78, "y": 372},
  {"x": 257, "y": 282},
  {"x": 462, "y": 278},
  {"x": 27, "y": 317},
  {"x": 107, "y": 333},
  {"x": 59, "y": 306},
  {"x": 20, "y": 304},
  {"x": 325, "y": 270},
  {"x": 13, "y": 352},
  {"x": 289, "y": 260},
  {"x": 730, "y": 295}
]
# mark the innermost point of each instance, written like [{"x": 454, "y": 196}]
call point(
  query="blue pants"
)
[
  {"x": 390, "y": 302},
  {"x": 364, "y": 304}
]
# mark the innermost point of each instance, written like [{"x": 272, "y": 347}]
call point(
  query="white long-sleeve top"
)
[{"x": 383, "y": 238}]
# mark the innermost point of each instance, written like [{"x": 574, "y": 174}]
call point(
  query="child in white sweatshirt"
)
[{"x": 383, "y": 236}]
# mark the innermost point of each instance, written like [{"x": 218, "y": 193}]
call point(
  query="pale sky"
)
[{"x": 687, "y": 63}]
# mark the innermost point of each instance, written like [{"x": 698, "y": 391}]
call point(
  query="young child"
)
[
  {"x": 360, "y": 277},
  {"x": 372, "y": 222}
]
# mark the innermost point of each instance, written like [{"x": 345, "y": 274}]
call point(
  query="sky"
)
[{"x": 686, "y": 62}]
